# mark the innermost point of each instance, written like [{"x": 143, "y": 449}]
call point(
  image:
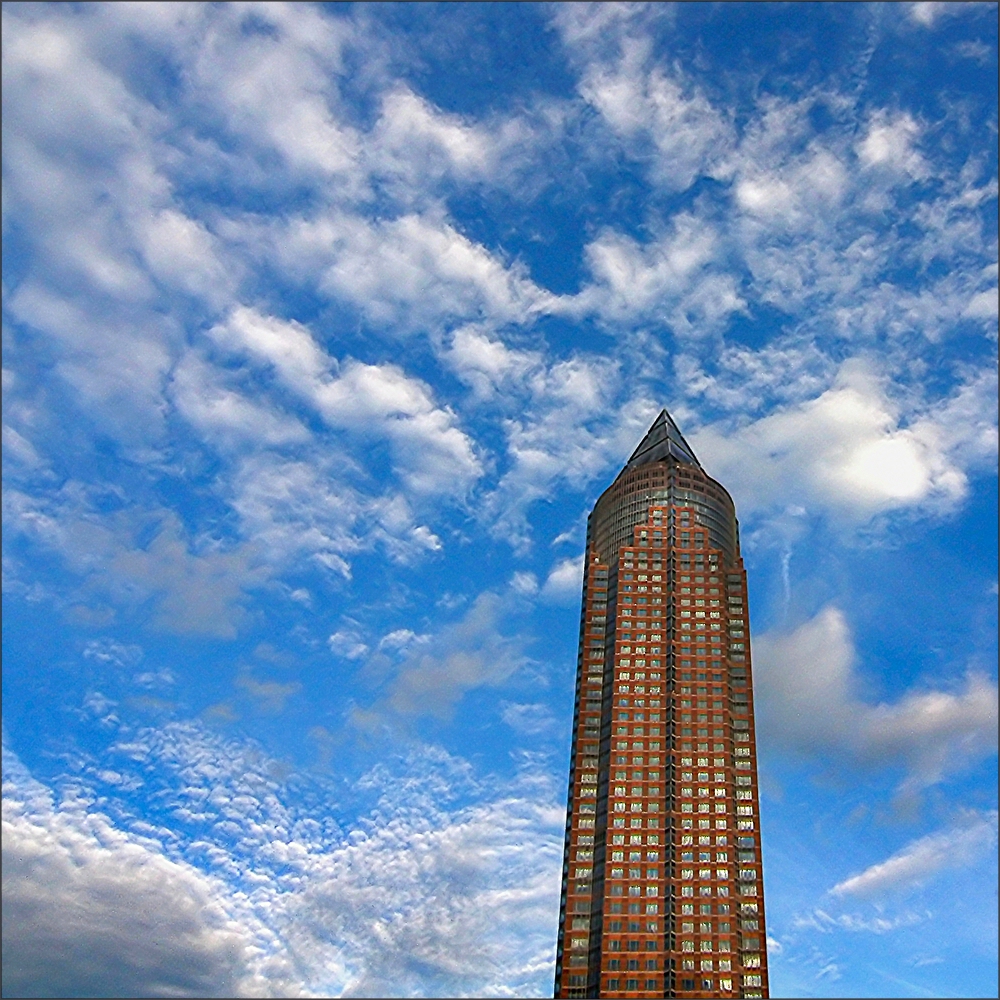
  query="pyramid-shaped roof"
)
[{"x": 662, "y": 442}]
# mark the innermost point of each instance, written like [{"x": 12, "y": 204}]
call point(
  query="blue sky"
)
[{"x": 325, "y": 326}]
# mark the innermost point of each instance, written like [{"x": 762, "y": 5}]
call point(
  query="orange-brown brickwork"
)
[{"x": 662, "y": 886}]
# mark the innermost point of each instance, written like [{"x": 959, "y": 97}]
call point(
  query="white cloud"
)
[
  {"x": 348, "y": 644},
  {"x": 846, "y": 452},
  {"x": 116, "y": 359},
  {"x": 285, "y": 345},
  {"x": 197, "y": 586},
  {"x": 430, "y": 452},
  {"x": 926, "y": 12},
  {"x": 418, "y": 143},
  {"x": 108, "y": 651},
  {"x": 564, "y": 581},
  {"x": 747, "y": 380},
  {"x": 273, "y": 73},
  {"x": 574, "y": 427},
  {"x": 922, "y": 859},
  {"x": 181, "y": 252},
  {"x": 528, "y": 719},
  {"x": 108, "y": 245},
  {"x": 820, "y": 920},
  {"x": 230, "y": 416},
  {"x": 807, "y": 694},
  {"x": 889, "y": 144},
  {"x": 486, "y": 363},
  {"x": 400, "y": 638},
  {"x": 793, "y": 193},
  {"x": 306, "y": 508},
  {"x": 670, "y": 279},
  {"x": 414, "y": 271},
  {"x": 658, "y": 115}
]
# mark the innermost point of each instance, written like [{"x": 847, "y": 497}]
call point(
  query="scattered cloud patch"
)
[
  {"x": 347, "y": 644},
  {"x": 528, "y": 719},
  {"x": 444, "y": 884},
  {"x": 469, "y": 654}
]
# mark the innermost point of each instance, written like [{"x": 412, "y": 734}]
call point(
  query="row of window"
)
[
  {"x": 631, "y": 985},
  {"x": 614, "y": 964}
]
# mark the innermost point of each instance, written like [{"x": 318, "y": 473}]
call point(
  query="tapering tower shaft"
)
[{"x": 662, "y": 891}]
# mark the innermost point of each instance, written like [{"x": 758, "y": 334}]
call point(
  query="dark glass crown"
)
[{"x": 662, "y": 442}]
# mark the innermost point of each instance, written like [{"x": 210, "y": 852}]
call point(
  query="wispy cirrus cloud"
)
[{"x": 923, "y": 859}]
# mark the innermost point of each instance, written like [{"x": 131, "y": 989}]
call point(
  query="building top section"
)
[{"x": 663, "y": 441}]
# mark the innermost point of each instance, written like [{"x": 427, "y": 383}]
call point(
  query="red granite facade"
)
[{"x": 662, "y": 891}]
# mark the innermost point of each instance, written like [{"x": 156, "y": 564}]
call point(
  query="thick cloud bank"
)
[{"x": 89, "y": 911}]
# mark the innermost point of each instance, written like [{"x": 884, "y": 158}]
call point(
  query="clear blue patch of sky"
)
[{"x": 477, "y": 59}]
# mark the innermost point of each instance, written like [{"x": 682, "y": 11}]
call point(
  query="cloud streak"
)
[
  {"x": 806, "y": 687},
  {"x": 923, "y": 859}
]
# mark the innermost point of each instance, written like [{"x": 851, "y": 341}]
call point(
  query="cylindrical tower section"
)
[{"x": 662, "y": 889}]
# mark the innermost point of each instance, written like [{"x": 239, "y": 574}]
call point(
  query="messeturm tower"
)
[{"x": 662, "y": 891}]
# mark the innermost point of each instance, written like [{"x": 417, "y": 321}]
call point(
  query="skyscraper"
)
[{"x": 662, "y": 891}]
